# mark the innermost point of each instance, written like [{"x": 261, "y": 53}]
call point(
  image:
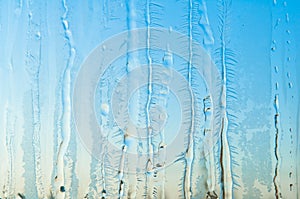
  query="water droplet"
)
[
  {"x": 284, "y": 3},
  {"x": 65, "y": 24},
  {"x": 290, "y": 85},
  {"x": 276, "y": 104},
  {"x": 288, "y": 31},
  {"x": 273, "y": 48},
  {"x": 276, "y": 69},
  {"x": 38, "y": 35},
  {"x": 277, "y": 23},
  {"x": 288, "y": 41},
  {"x": 62, "y": 189},
  {"x": 168, "y": 59},
  {"x": 276, "y": 85},
  {"x": 287, "y": 18},
  {"x": 288, "y": 74},
  {"x": 104, "y": 109}
]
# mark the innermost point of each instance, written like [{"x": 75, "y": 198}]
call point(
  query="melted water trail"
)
[
  {"x": 149, "y": 167},
  {"x": 162, "y": 98},
  {"x": 63, "y": 177},
  {"x": 34, "y": 64},
  {"x": 208, "y": 40},
  {"x": 276, "y": 176},
  {"x": 9, "y": 188},
  {"x": 189, "y": 155},
  {"x": 122, "y": 167},
  {"x": 208, "y": 148},
  {"x": 208, "y": 43},
  {"x": 225, "y": 156}
]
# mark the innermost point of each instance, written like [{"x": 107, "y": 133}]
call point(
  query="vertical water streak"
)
[
  {"x": 225, "y": 156},
  {"x": 34, "y": 65},
  {"x": 62, "y": 169},
  {"x": 208, "y": 43},
  {"x": 203, "y": 22},
  {"x": 149, "y": 165},
  {"x": 276, "y": 179},
  {"x": 8, "y": 75},
  {"x": 208, "y": 149},
  {"x": 9, "y": 189},
  {"x": 189, "y": 154},
  {"x": 162, "y": 98},
  {"x": 132, "y": 63}
]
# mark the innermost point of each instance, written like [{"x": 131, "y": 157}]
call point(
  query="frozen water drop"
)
[
  {"x": 38, "y": 35},
  {"x": 65, "y": 24},
  {"x": 104, "y": 109},
  {"x": 287, "y": 18},
  {"x": 277, "y": 23},
  {"x": 168, "y": 59}
]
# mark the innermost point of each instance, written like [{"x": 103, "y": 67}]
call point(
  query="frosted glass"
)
[{"x": 150, "y": 99}]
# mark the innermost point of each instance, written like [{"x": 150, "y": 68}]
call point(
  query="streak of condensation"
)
[
  {"x": 225, "y": 157},
  {"x": 208, "y": 40},
  {"x": 276, "y": 178},
  {"x": 163, "y": 95},
  {"x": 9, "y": 187},
  {"x": 208, "y": 149},
  {"x": 189, "y": 154},
  {"x": 149, "y": 165},
  {"x": 34, "y": 64},
  {"x": 158, "y": 118},
  {"x": 9, "y": 118},
  {"x": 131, "y": 63},
  {"x": 63, "y": 177},
  {"x": 208, "y": 43}
]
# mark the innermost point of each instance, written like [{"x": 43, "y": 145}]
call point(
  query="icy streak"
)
[
  {"x": 209, "y": 134},
  {"x": 60, "y": 181},
  {"x": 276, "y": 176},
  {"x": 189, "y": 154},
  {"x": 34, "y": 64},
  {"x": 9, "y": 188},
  {"x": 149, "y": 178},
  {"x": 132, "y": 62},
  {"x": 225, "y": 159},
  {"x": 161, "y": 175},
  {"x": 208, "y": 147},
  {"x": 121, "y": 168}
]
